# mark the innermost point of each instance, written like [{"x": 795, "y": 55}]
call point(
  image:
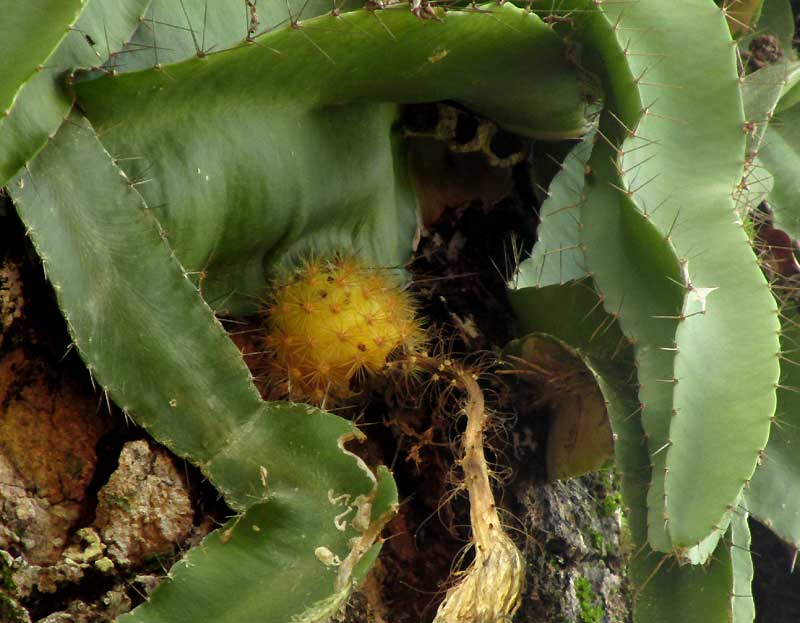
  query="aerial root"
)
[{"x": 490, "y": 590}]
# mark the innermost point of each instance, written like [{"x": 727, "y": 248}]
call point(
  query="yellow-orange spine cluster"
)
[{"x": 336, "y": 319}]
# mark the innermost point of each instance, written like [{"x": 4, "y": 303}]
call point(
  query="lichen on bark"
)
[{"x": 575, "y": 557}]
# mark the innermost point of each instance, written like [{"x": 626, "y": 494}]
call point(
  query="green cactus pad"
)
[
  {"x": 676, "y": 159},
  {"x": 29, "y": 32},
  {"x": 264, "y": 565},
  {"x": 614, "y": 238},
  {"x": 763, "y": 91},
  {"x": 279, "y": 101},
  {"x": 557, "y": 256},
  {"x": 175, "y": 30},
  {"x": 156, "y": 348},
  {"x": 43, "y": 102},
  {"x": 779, "y": 154},
  {"x": 773, "y": 497},
  {"x": 647, "y": 302},
  {"x": 678, "y": 594},
  {"x": 699, "y": 208},
  {"x": 663, "y": 591},
  {"x": 742, "y": 604},
  {"x": 718, "y": 592}
]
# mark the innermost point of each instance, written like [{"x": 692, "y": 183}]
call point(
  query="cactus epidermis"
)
[{"x": 332, "y": 320}]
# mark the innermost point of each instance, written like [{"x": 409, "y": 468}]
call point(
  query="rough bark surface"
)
[{"x": 86, "y": 508}]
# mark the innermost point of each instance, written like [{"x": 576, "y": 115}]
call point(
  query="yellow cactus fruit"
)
[{"x": 333, "y": 320}]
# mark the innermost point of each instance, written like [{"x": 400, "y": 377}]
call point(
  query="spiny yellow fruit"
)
[{"x": 333, "y": 320}]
